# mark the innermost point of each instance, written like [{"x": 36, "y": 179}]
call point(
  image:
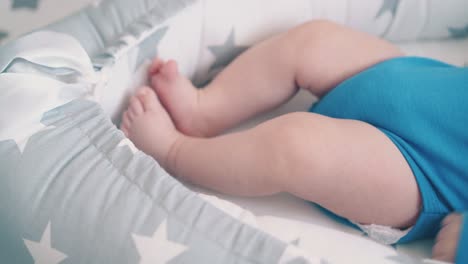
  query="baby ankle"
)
[
  {"x": 200, "y": 122},
  {"x": 172, "y": 157}
]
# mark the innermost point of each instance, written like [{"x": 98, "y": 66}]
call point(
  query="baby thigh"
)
[{"x": 351, "y": 168}]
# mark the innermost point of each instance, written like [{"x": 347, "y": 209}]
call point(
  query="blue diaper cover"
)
[{"x": 422, "y": 106}]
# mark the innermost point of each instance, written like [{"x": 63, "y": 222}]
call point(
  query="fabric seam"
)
[{"x": 160, "y": 202}]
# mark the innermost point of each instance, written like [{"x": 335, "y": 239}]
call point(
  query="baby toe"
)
[
  {"x": 148, "y": 99},
  {"x": 159, "y": 83},
  {"x": 125, "y": 124},
  {"x": 135, "y": 106},
  {"x": 156, "y": 66},
  {"x": 170, "y": 70},
  {"x": 126, "y": 119}
]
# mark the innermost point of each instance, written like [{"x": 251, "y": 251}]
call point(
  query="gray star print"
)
[
  {"x": 149, "y": 47},
  {"x": 226, "y": 52},
  {"x": 31, "y": 4},
  {"x": 12, "y": 245},
  {"x": 3, "y": 35},
  {"x": 458, "y": 32},
  {"x": 388, "y": 6}
]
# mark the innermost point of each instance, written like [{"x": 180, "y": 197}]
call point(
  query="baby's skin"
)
[
  {"x": 446, "y": 245},
  {"x": 305, "y": 154}
]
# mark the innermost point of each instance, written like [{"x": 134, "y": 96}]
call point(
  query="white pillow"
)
[{"x": 18, "y": 17}]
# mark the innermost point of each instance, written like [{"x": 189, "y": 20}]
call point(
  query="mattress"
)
[{"x": 109, "y": 45}]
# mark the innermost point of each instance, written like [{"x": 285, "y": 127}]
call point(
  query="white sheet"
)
[
  {"x": 211, "y": 23},
  {"x": 18, "y": 17}
]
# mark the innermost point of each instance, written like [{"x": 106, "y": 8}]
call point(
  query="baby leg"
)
[
  {"x": 316, "y": 56},
  {"x": 347, "y": 166}
]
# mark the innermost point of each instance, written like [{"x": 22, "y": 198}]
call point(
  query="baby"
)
[{"x": 385, "y": 145}]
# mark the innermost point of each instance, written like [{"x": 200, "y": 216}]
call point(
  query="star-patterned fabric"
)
[
  {"x": 157, "y": 248},
  {"x": 35, "y": 13},
  {"x": 105, "y": 203},
  {"x": 77, "y": 191},
  {"x": 3, "y": 35},
  {"x": 31, "y": 4},
  {"x": 389, "y": 6},
  {"x": 226, "y": 52},
  {"x": 148, "y": 48},
  {"x": 459, "y": 32},
  {"x": 42, "y": 252},
  {"x": 73, "y": 189},
  {"x": 222, "y": 54},
  {"x": 18, "y": 17}
]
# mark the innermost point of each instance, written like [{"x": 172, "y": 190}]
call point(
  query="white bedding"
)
[
  {"x": 234, "y": 25},
  {"x": 18, "y": 17},
  {"x": 230, "y": 27},
  {"x": 297, "y": 221}
]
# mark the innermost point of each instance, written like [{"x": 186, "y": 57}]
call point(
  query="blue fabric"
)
[
  {"x": 421, "y": 105},
  {"x": 462, "y": 253}
]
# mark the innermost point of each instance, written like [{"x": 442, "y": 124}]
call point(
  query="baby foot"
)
[
  {"x": 179, "y": 97},
  {"x": 445, "y": 248},
  {"x": 148, "y": 125}
]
